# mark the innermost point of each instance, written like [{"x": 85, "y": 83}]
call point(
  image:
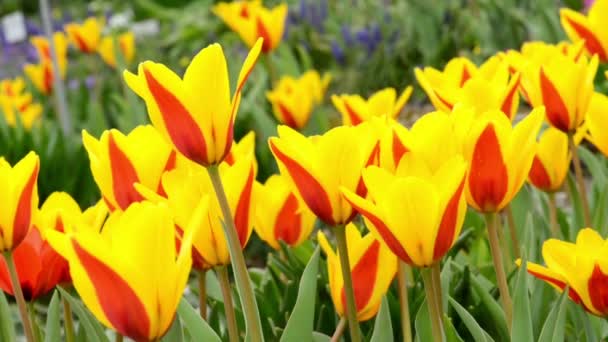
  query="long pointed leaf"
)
[
  {"x": 383, "y": 327},
  {"x": 521, "y": 327},
  {"x": 198, "y": 329},
  {"x": 553, "y": 329},
  {"x": 53, "y": 326}
]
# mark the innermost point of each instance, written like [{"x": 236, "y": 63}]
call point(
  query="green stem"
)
[
  {"x": 501, "y": 277},
  {"x": 436, "y": 277},
  {"x": 513, "y": 231},
  {"x": 272, "y": 73},
  {"x": 506, "y": 248},
  {"x": 118, "y": 337},
  {"x": 233, "y": 331},
  {"x": 351, "y": 309},
  {"x": 580, "y": 180},
  {"x": 431, "y": 301},
  {"x": 553, "y": 216},
  {"x": 406, "y": 326},
  {"x": 27, "y": 326},
  {"x": 248, "y": 303},
  {"x": 68, "y": 320},
  {"x": 202, "y": 294},
  {"x": 35, "y": 327},
  {"x": 339, "y": 330}
]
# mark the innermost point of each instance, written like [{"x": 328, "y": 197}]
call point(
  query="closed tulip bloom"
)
[
  {"x": 551, "y": 162},
  {"x": 280, "y": 214},
  {"x": 500, "y": 157},
  {"x": 372, "y": 268},
  {"x": 129, "y": 275},
  {"x": 119, "y": 161},
  {"x": 597, "y": 122},
  {"x": 537, "y": 52},
  {"x": 394, "y": 141},
  {"x": 293, "y": 99},
  {"x": 20, "y": 108},
  {"x": 41, "y": 75},
  {"x": 251, "y": 20},
  {"x": 86, "y": 36},
  {"x": 355, "y": 109},
  {"x": 12, "y": 87},
  {"x": 318, "y": 166},
  {"x": 126, "y": 45},
  {"x": 60, "y": 44},
  {"x": 581, "y": 266},
  {"x": 186, "y": 187},
  {"x": 195, "y": 113},
  {"x": 500, "y": 92},
  {"x": 564, "y": 87},
  {"x": 590, "y": 28},
  {"x": 60, "y": 212},
  {"x": 19, "y": 199}
]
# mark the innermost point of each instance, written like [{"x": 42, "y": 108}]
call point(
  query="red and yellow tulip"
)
[
  {"x": 597, "y": 122},
  {"x": 126, "y": 45},
  {"x": 280, "y": 214},
  {"x": 394, "y": 141},
  {"x": 355, "y": 109},
  {"x": 16, "y": 104},
  {"x": 581, "y": 266},
  {"x": 293, "y": 99},
  {"x": 86, "y": 36},
  {"x": 590, "y": 28},
  {"x": 106, "y": 269},
  {"x": 251, "y": 20},
  {"x": 245, "y": 148},
  {"x": 319, "y": 166},
  {"x": 500, "y": 157},
  {"x": 372, "y": 268},
  {"x": 19, "y": 199},
  {"x": 551, "y": 162},
  {"x": 41, "y": 75},
  {"x": 60, "y": 43},
  {"x": 195, "y": 113},
  {"x": 119, "y": 161}
]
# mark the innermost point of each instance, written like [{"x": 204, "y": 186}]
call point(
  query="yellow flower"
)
[
  {"x": 41, "y": 75},
  {"x": 597, "y": 122},
  {"x": 43, "y": 48},
  {"x": 195, "y": 113},
  {"x": 251, "y": 21},
  {"x": 60, "y": 212},
  {"x": 591, "y": 28},
  {"x": 355, "y": 109},
  {"x": 293, "y": 99},
  {"x": 126, "y": 43},
  {"x": 551, "y": 162},
  {"x": 85, "y": 36},
  {"x": 373, "y": 268}
]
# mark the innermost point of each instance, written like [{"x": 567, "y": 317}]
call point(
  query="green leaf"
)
[
  {"x": 53, "y": 325},
  {"x": 301, "y": 320},
  {"x": 383, "y": 328},
  {"x": 451, "y": 334},
  {"x": 553, "y": 329},
  {"x": 477, "y": 332},
  {"x": 93, "y": 329},
  {"x": 424, "y": 330},
  {"x": 318, "y": 337},
  {"x": 198, "y": 328},
  {"x": 575, "y": 198},
  {"x": 521, "y": 327},
  {"x": 7, "y": 326},
  {"x": 497, "y": 316},
  {"x": 175, "y": 333}
]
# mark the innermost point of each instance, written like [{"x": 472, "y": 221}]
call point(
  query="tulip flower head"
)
[
  {"x": 251, "y": 20},
  {"x": 355, "y": 109},
  {"x": 129, "y": 275},
  {"x": 372, "y": 268},
  {"x": 318, "y": 166},
  {"x": 597, "y": 122},
  {"x": 245, "y": 148},
  {"x": 60, "y": 43},
  {"x": 500, "y": 157},
  {"x": 126, "y": 45},
  {"x": 19, "y": 199},
  {"x": 394, "y": 141},
  {"x": 590, "y": 29},
  {"x": 581, "y": 266},
  {"x": 293, "y": 99},
  {"x": 119, "y": 161},
  {"x": 551, "y": 162},
  {"x": 86, "y": 36},
  {"x": 195, "y": 113},
  {"x": 280, "y": 214},
  {"x": 16, "y": 104},
  {"x": 41, "y": 75}
]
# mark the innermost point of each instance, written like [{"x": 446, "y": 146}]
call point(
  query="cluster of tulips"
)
[{"x": 179, "y": 196}]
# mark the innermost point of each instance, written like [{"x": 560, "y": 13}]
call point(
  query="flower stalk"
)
[
  {"x": 553, "y": 216},
  {"x": 580, "y": 180},
  {"x": 202, "y": 294},
  {"x": 501, "y": 277},
  {"x": 233, "y": 331},
  {"x": 22, "y": 305},
  {"x": 351, "y": 309},
  {"x": 433, "y": 305},
  {"x": 402, "y": 270},
  {"x": 513, "y": 231}
]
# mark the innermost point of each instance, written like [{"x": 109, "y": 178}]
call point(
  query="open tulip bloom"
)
[{"x": 590, "y": 29}]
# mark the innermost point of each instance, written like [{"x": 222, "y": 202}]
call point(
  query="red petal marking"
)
[
  {"x": 557, "y": 112},
  {"x": 111, "y": 207},
  {"x": 244, "y": 11},
  {"x": 387, "y": 235},
  {"x": 538, "y": 175},
  {"x": 117, "y": 299},
  {"x": 592, "y": 42},
  {"x": 81, "y": 43},
  {"x": 465, "y": 76},
  {"x": 371, "y": 160},
  {"x": 598, "y": 290},
  {"x": 198, "y": 262},
  {"x": 444, "y": 101},
  {"x": 241, "y": 215},
  {"x": 263, "y": 33},
  {"x": 355, "y": 118},
  {"x": 23, "y": 214},
  {"x": 288, "y": 118},
  {"x": 170, "y": 165},
  {"x": 509, "y": 98},
  {"x": 488, "y": 177},
  {"x": 399, "y": 149},
  {"x": 46, "y": 52},
  {"x": 310, "y": 189},
  {"x": 364, "y": 275},
  {"x": 571, "y": 292},
  {"x": 47, "y": 78},
  {"x": 183, "y": 130},
  {"x": 124, "y": 176},
  {"x": 288, "y": 224},
  {"x": 445, "y": 235}
]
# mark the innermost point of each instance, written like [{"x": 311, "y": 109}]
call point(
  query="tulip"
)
[
  {"x": 293, "y": 99},
  {"x": 20, "y": 108},
  {"x": 194, "y": 113},
  {"x": 394, "y": 141},
  {"x": 245, "y": 148},
  {"x": 119, "y": 161},
  {"x": 373, "y": 268},
  {"x": 536, "y": 53},
  {"x": 43, "y": 48},
  {"x": 126, "y": 44},
  {"x": 280, "y": 214},
  {"x": 106, "y": 269},
  {"x": 597, "y": 122},
  {"x": 41, "y": 75},
  {"x": 551, "y": 162},
  {"x": 85, "y": 36},
  {"x": 581, "y": 266},
  {"x": 355, "y": 109},
  {"x": 590, "y": 29},
  {"x": 251, "y": 20},
  {"x": 12, "y": 87}
]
